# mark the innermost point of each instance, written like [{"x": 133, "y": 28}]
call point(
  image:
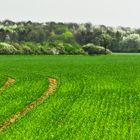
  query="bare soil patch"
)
[
  {"x": 8, "y": 83},
  {"x": 52, "y": 87}
]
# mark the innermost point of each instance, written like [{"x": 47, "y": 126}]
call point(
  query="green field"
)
[{"x": 98, "y": 97}]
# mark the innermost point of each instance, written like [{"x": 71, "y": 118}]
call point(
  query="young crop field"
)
[{"x": 70, "y": 97}]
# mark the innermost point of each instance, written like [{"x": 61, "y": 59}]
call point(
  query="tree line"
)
[{"x": 65, "y": 38}]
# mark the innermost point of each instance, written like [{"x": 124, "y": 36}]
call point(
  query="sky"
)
[{"x": 106, "y": 12}]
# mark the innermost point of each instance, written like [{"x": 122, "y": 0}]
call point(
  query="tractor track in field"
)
[
  {"x": 52, "y": 87},
  {"x": 8, "y": 83}
]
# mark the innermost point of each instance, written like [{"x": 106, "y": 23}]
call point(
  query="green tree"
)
[{"x": 131, "y": 43}]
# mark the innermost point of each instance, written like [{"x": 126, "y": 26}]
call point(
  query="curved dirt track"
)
[
  {"x": 8, "y": 83},
  {"x": 52, "y": 87}
]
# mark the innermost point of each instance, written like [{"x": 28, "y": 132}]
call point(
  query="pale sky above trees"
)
[{"x": 107, "y": 12}]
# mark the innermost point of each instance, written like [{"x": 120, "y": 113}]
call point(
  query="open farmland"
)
[{"x": 97, "y": 97}]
